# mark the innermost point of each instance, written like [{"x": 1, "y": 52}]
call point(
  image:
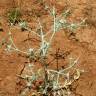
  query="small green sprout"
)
[{"x": 14, "y": 16}]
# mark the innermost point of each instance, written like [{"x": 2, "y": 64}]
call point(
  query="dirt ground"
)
[{"x": 11, "y": 64}]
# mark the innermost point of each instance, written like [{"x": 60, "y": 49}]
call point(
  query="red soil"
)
[{"x": 12, "y": 64}]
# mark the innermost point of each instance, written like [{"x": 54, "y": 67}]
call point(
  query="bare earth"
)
[{"x": 11, "y": 64}]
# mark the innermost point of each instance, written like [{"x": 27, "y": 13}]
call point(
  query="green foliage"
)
[{"x": 14, "y": 16}]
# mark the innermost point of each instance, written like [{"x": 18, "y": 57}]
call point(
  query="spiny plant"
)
[{"x": 45, "y": 81}]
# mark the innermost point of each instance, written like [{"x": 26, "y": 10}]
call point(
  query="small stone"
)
[
  {"x": 0, "y": 79},
  {"x": 1, "y": 29}
]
